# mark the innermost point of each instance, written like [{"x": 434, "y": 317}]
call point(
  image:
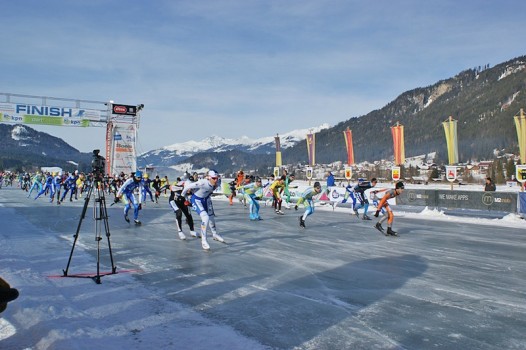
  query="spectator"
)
[
  {"x": 490, "y": 185},
  {"x": 330, "y": 179}
]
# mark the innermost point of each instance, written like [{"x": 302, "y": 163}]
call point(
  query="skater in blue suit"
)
[
  {"x": 250, "y": 192},
  {"x": 127, "y": 191},
  {"x": 47, "y": 186}
]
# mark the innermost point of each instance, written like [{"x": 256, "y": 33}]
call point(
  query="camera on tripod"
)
[
  {"x": 98, "y": 164},
  {"x": 100, "y": 215}
]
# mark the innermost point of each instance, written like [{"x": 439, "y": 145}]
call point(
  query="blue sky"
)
[{"x": 253, "y": 68}]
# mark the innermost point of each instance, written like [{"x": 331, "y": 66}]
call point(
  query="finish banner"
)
[
  {"x": 46, "y": 115},
  {"x": 123, "y": 153}
]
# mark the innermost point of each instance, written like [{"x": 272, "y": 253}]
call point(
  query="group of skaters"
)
[
  {"x": 192, "y": 192},
  {"x": 60, "y": 186}
]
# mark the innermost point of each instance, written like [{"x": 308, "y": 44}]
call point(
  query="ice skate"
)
[
  {"x": 356, "y": 213},
  {"x": 195, "y": 234},
  {"x": 391, "y": 232},
  {"x": 181, "y": 235},
  {"x": 126, "y": 218},
  {"x": 302, "y": 222},
  {"x": 137, "y": 222},
  {"x": 379, "y": 227},
  {"x": 205, "y": 244},
  {"x": 365, "y": 217},
  {"x": 218, "y": 238}
]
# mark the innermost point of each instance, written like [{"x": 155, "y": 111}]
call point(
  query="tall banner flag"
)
[
  {"x": 278, "y": 151},
  {"x": 311, "y": 148},
  {"x": 123, "y": 156},
  {"x": 450, "y": 128},
  {"x": 347, "y": 134},
  {"x": 398, "y": 142},
  {"x": 520, "y": 125}
]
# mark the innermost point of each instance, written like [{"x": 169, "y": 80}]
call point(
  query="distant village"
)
[{"x": 416, "y": 170}]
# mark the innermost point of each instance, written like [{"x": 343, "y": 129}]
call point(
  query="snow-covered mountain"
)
[{"x": 173, "y": 154}]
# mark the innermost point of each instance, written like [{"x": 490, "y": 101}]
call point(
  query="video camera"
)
[{"x": 98, "y": 164}]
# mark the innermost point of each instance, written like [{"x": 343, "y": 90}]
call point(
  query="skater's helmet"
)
[
  {"x": 138, "y": 174},
  {"x": 317, "y": 184},
  {"x": 400, "y": 185},
  {"x": 213, "y": 174}
]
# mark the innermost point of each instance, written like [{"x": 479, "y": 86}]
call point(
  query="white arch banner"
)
[{"x": 47, "y": 115}]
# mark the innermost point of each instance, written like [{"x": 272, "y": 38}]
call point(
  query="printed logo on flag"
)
[
  {"x": 348, "y": 173},
  {"x": 451, "y": 173},
  {"x": 520, "y": 173},
  {"x": 395, "y": 173}
]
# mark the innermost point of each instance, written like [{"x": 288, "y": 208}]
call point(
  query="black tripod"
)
[{"x": 100, "y": 214}]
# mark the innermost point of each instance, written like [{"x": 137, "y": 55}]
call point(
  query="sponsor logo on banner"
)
[
  {"x": 308, "y": 172},
  {"x": 451, "y": 173},
  {"x": 520, "y": 173},
  {"x": 124, "y": 109},
  {"x": 395, "y": 173},
  {"x": 348, "y": 173}
]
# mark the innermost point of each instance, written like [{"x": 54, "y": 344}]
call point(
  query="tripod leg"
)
[
  {"x": 104, "y": 216},
  {"x": 76, "y": 236}
]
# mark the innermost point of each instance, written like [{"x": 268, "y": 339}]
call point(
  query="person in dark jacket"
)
[{"x": 490, "y": 185}]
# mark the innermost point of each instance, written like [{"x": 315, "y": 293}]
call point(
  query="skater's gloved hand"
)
[
  {"x": 187, "y": 203},
  {"x": 344, "y": 201},
  {"x": 117, "y": 200},
  {"x": 377, "y": 213},
  {"x": 295, "y": 207},
  {"x": 375, "y": 192}
]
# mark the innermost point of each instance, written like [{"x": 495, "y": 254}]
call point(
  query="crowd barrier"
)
[{"x": 434, "y": 198}]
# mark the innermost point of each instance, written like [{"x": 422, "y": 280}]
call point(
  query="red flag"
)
[{"x": 347, "y": 134}]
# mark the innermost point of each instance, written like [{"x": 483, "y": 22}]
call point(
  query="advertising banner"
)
[
  {"x": 123, "y": 153},
  {"x": 47, "y": 115},
  {"x": 505, "y": 201}
]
